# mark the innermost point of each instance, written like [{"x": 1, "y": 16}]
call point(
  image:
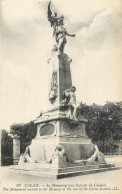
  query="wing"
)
[{"x": 49, "y": 13}]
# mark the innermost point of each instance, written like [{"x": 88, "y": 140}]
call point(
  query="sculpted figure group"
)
[
  {"x": 69, "y": 98},
  {"x": 59, "y": 151},
  {"x": 59, "y": 32}
]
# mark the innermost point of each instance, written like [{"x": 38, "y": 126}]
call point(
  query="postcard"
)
[{"x": 60, "y": 96}]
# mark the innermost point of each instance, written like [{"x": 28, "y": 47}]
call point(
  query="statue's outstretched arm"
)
[{"x": 70, "y": 34}]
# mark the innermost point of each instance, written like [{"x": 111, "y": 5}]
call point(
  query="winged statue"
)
[{"x": 59, "y": 32}]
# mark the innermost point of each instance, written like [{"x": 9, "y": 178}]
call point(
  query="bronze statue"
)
[{"x": 59, "y": 32}]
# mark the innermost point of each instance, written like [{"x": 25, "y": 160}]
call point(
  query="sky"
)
[{"x": 26, "y": 43}]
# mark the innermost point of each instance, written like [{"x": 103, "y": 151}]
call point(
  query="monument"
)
[
  {"x": 61, "y": 147},
  {"x": 60, "y": 126}
]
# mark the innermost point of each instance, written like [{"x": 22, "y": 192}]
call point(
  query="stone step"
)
[
  {"x": 63, "y": 172},
  {"x": 49, "y": 168}
]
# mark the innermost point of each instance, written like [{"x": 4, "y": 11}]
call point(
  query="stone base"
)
[
  {"x": 77, "y": 148},
  {"x": 48, "y": 171},
  {"x": 54, "y": 128},
  {"x": 56, "y": 113}
]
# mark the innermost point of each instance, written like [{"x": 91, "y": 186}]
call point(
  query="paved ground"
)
[{"x": 103, "y": 182}]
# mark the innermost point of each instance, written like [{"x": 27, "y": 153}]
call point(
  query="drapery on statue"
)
[
  {"x": 69, "y": 98},
  {"x": 60, "y": 152},
  {"x": 59, "y": 32},
  {"x": 26, "y": 157},
  {"x": 97, "y": 156}
]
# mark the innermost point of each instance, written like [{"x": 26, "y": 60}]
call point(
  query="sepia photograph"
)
[{"x": 61, "y": 96}]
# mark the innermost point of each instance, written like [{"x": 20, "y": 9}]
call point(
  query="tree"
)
[
  {"x": 104, "y": 122},
  {"x": 26, "y": 131}
]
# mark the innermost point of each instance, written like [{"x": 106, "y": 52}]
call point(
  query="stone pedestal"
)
[
  {"x": 61, "y": 147},
  {"x": 60, "y": 78},
  {"x": 16, "y": 149},
  {"x": 54, "y": 128},
  {"x": 57, "y": 129}
]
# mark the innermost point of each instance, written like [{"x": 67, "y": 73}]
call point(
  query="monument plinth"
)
[
  {"x": 57, "y": 127},
  {"x": 61, "y": 146}
]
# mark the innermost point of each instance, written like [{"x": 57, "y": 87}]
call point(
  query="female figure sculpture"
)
[
  {"x": 69, "y": 98},
  {"x": 59, "y": 32}
]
